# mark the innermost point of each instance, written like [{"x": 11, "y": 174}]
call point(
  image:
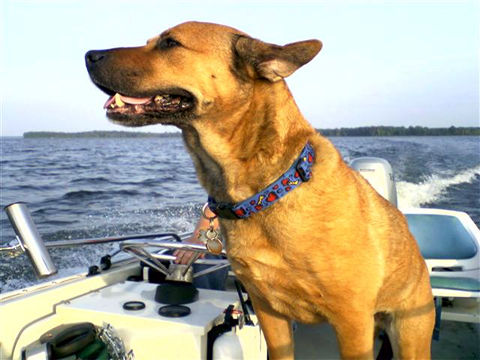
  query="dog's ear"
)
[{"x": 274, "y": 62}]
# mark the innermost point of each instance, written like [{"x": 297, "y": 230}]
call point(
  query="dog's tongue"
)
[{"x": 126, "y": 99}]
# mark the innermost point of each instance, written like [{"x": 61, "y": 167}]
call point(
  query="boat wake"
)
[{"x": 432, "y": 188}]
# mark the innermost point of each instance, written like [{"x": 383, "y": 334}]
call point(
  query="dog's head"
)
[{"x": 188, "y": 72}]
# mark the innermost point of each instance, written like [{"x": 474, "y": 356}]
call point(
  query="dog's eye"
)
[{"x": 167, "y": 43}]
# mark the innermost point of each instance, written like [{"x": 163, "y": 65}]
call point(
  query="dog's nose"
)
[{"x": 94, "y": 56}]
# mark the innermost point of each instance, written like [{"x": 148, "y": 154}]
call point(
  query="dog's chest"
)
[{"x": 267, "y": 274}]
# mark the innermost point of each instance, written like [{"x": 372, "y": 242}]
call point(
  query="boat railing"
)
[{"x": 151, "y": 248}]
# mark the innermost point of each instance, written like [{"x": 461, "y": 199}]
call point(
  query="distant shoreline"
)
[
  {"x": 401, "y": 131},
  {"x": 97, "y": 134},
  {"x": 358, "y": 131}
]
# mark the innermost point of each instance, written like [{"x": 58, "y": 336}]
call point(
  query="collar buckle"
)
[
  {"x": 222, "y": 210},
  {"x": 303, "y": 169}
]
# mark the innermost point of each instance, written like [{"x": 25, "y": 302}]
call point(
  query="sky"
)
[{"x": 392, "y": 63}]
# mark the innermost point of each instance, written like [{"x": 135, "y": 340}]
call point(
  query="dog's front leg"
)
[
  {"x": 355, "y": 333},
  {"x": 277, "y": 330}
]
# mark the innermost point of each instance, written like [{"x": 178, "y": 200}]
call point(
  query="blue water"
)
[{"x": 83, "y": 188}]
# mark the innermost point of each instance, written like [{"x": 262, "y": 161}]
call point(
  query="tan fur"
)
[{"x": 333, "y": 248}]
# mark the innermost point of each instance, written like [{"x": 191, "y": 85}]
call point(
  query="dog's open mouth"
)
[{"x": 165, "y": 104}]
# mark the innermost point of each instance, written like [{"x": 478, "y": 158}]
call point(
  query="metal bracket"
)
[{"x": 14, "y": 249}]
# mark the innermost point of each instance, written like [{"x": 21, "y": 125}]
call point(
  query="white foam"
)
[
  {"x": 15, "y": 284},
  {"x": 431, "y": 189}
]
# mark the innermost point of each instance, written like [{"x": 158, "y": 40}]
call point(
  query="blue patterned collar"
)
[{"x": 299, "y": 172}]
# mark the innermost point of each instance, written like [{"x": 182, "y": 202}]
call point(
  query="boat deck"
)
[{"x": 457, "y": 341}]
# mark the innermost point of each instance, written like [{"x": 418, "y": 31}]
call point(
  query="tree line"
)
[
  {"x": 400, "y": 131},
  {"x": 358, "y": 131},
  {"x": 97, "y": 134}
]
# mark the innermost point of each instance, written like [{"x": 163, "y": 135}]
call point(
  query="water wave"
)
[
  {"x": 433, "y": 188},
  {"x": 90, "y": 180},
  {"x": 83, "y": 194}
]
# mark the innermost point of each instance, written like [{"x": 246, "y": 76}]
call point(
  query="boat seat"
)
[
  {"x": 455, "y": 283},
  {"x": 450, "y": 243}
]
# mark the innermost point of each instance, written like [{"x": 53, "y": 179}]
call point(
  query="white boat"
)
[{"x": 128, "y": 310}]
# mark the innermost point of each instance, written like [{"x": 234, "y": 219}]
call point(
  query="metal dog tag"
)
[
  {"x": 215, "y": 246},
  {"x": 202, "y": 236},
  {"x": 211, "y": 236},
  {"x": 211, "y": 239}
]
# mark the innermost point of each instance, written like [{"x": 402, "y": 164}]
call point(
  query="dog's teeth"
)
[
  {"x": 118, "y": 100},
  {"x": 158, "y": 98}
]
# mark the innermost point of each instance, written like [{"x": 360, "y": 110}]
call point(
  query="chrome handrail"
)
[{"x": 103, "y": 240}]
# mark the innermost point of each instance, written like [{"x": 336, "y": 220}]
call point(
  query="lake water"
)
[{"x": 83, "y": 188}]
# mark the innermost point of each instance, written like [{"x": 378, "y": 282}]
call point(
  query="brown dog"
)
[{"x": 332, "y": 248}]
